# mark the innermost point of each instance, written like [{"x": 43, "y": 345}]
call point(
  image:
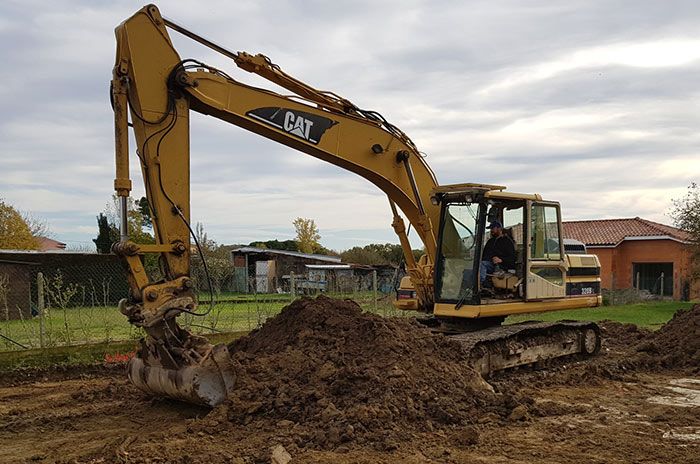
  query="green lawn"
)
[
  {"x": 651, "y": 315},
  {"x": 99, "y": 324}
]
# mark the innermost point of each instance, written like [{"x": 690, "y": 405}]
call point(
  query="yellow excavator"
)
[{"x": 153, "y": 90}]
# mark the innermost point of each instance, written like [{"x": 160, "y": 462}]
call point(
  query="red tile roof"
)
[
  {"x": 614, "y": 231},
  {"x": 46, "y": 244}
]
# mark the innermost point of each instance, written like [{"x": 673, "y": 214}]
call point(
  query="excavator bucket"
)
[
  {"x": 207, "y": 382},
  {"x": 175, "y": 363}
]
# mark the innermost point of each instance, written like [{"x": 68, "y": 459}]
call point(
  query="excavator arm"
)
[{"x": 157, "y": 88}]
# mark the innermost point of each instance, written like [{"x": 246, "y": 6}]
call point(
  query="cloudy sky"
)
[{"x": 592, "y": 103}]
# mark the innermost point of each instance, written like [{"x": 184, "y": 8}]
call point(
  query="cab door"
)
[{"x": 546, "y": 265}]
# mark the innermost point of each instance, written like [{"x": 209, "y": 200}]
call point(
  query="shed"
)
[
  {"x": 351, "y": 277},
  {"x": 15, "y": 289},
  {"x": 262, "y": 269},
  {"x": 94, "y": 279}
]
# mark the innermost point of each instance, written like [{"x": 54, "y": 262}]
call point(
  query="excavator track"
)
[{"x": 528, "y": 343}]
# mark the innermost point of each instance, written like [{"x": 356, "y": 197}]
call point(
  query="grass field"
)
[
  {"x": 99, "y": 324},
  {"x": 651, "y": 315},
  {"x": 104, "y": 324}
]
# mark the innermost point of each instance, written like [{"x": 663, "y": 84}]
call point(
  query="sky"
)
[{"x": 594, "y": 104}]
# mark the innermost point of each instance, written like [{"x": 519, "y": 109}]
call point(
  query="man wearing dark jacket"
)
[{"x": 499, "y": 251}]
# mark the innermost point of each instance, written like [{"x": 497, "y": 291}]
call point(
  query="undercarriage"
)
[
  {"x": 495, "y": 347},
  {"x": 529, "y": 343}
]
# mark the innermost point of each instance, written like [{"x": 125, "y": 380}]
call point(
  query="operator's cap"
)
[{"x": 495, "y": 224}]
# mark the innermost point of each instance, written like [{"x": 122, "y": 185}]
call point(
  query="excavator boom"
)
[{"x": 157, "y": 88}]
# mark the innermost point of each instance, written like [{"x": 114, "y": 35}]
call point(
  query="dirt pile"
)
[
  {"x": 326, "y": 373},
  {"x": 618, "y": 337},
  {"x": 627, "y": 352},
  {"x": 676, "y": 344}
]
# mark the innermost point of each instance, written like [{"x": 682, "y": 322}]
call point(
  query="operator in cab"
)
[{"x": 499, "y": 251}]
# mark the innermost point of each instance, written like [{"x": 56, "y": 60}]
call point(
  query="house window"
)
[{"x": 657, "y": 278}]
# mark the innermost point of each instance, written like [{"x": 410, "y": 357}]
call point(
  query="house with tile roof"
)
[
  {"x": 49, "y": 244},
  {"x": 638, "y": 253}
]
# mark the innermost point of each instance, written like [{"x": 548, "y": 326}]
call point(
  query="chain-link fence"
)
[{"x": 60, "y": 299}]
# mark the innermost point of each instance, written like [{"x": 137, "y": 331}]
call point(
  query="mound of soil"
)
[
  {"x": 628, "y": 351},
  {"x": 676, "y": 344},
  {"x": 327, "y": 373},
  {"x": 618, "y": 337}
]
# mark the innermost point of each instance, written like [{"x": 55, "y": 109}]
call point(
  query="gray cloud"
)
[{"x": 591, "y": 103}]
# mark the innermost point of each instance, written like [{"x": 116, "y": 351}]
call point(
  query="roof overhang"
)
[
  {"x": 655, "y": 237},
  {"x": 271, "y": 251},
  {"x": 639, "y": 238},
  {"x": 328, "y": 266}
]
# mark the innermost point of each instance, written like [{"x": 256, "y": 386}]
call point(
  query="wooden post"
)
[
  {"x": 292, "y": 284},
  {"x": 612, "y": 289},
  {"x": 662, "y": 284},
  {"x": 247, "y": 273},
  {"x": 638, "y": 285},
  {"x": 374, "y": 288},
  {"x": 40, "y": 307}
]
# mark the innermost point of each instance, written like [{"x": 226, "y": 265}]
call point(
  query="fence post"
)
[
  {"x": 662, "y": 284},
  {"x": 374, "y": 288},
  {"x": 40, "y": 307},
  {"x": 292, "y": 284},
  {"x": 638, "y": 286},
  {"x": 612, "y": 289}
]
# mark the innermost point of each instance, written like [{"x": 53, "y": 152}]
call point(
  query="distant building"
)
[
  {"x": 95, "y": 280},
  {"x": 324, "y": 277},
  {"x": 263, "y": 270},
  {"x": 49, "y": 244},
  {"x": 350, "y": 277},
  {"x": 638, "y": 253},
  {"x": 15, "y": 287}
]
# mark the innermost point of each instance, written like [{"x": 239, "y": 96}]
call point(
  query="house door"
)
[{"x": 657, "y": 278}]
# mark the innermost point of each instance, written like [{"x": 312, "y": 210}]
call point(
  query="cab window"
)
[
  {"x": 545, "y": 243},
  {"x": 457, "y": 251}
]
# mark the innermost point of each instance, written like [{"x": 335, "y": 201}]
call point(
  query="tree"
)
[
  {"x": 137, "y": 234},
  {"x": 218, "y": 260},
  {"x": 686, "y": 215},
  {"x": 321, "y": 250},
  {"x": 134, "y": 217},
  {"x": 37, "y": 227},
  {"x": 362, "y": 255},
  {"x": 288, "y": 245},
  {"x": 15, "y": 233},
  {"x": 307, "y": 235},
  {"x": 106, "y": 236},
  {"x": 145, "y": 210},
  {"x": 377, "y": 253},
  {"x": 205, "y": 243}
]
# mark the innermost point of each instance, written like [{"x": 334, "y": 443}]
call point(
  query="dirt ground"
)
[{"x": 622, "y": 407}]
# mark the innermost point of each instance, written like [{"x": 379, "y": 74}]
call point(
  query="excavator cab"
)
[
  {"x": 463, "y": 234},
  {"x": 540, "y": 272}
]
